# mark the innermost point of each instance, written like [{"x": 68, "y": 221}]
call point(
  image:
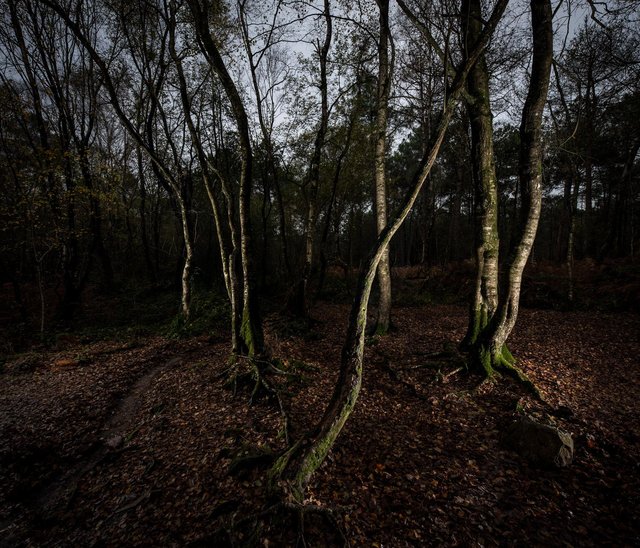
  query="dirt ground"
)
[{"x": 130, "y": 442}]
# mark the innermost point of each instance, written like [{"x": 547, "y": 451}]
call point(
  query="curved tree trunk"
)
[
  {"x": 251, "y": 333},
  {"x": 187, "y": 268},
  {"x": 227, "y": 251},
  {"x": 298, "y": 464}
]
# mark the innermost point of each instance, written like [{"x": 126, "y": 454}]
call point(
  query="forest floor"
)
[{"x": 128, "y": 441}]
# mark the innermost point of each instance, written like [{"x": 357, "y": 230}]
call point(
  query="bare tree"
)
[
  {"x": 490, "y": 350},
  {"x": 385, "y": 72},
  {"x": 298, "y": 464}
]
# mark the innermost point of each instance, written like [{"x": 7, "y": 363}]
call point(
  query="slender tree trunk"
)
[
  {"x": 299, "y": 300},
  {"x": 267, "y": 135},
  {"x": 332, "y": 204},
  {"x": 590, "y": 110},
  {"x": 574, "y": 191},
  {"x": 385, "y": 70},
  {"x": 617, "y": 241},
  {"x": 251, "y": 333},
  {"x": 265, "y": 214},
  {"x": 142, "y": 211},
  {"x": 72, "y": 280},
  {"x": 228, "y": 253},
  {"x": 95, "y": 222},
  {"x": 187, "y": 268}
]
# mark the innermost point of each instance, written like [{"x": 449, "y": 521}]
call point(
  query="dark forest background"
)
[{"x": 84, "y": 211}]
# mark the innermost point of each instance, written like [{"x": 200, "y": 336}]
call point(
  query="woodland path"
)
[
  {"x": 56, "y": 496},
  {"x": 51, "y": 498}
]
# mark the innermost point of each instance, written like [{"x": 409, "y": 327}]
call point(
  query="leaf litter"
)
[{"x": 419, "y": 463}]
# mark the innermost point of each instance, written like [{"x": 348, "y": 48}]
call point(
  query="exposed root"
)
[
  {"x": 453, "y": 373},
  {"x": 302, "y": 510},
  {"x": 249, "y": 457},
  {"x": 292, "y": 513},
  {"x": 451, "y": 357},
  {"x": 276, "y": 471},
  {"x": 254, "y": 372},
  {"x": 520, "y": 376}
]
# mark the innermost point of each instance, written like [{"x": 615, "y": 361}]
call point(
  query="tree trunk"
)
[
  {"x": 487, "y": 239},
  {"x": 95, "y": 222},
  {"x": 385, "y": 69},
  {"x": 299, "y": 300},
  {"x": 187, "y": 268},
  {"x": 142, "y": 210},
  {"x": 228, "y": 252},
  {"x": 490, "y": 351},
  {"x": 251, "y": 333},
  {"x": 574, "y": 191},
  {"x": 618, "y": 240},
  {"x": 332, "y": 204},
  {"x": 299, "y": 463}
]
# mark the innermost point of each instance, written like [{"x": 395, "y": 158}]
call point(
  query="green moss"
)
[
  {"x": 492, "y": 362},
  {"x": 246, "y": 333},
  {"x": 315, "y": 457},
  {"x": 485, "y": 361},
  {"x": 478, "y": 323},
  {"x": 280, "y": 465},
  {"x": 507, "y": 355}
]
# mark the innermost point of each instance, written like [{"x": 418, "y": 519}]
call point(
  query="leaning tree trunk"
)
[
  {"x": 487, "y": 241},
  {"x": 303, "y": 459},
  {"x": 490, "y": 351},
  {"x": 385, "y": 68},
  {"x": 298, "y": 464}
]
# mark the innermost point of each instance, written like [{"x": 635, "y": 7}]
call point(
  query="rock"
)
[
  {"x": 114, "y": 441},
  {"x": 540, "y": 444}
]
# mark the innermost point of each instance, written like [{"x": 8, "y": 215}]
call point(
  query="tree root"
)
[
  {"x": 511, "y": 369},
  {"x": 298, "y": 513},
  {"x": 275, "y": 472},
  {"x": 254, "y": 372}
]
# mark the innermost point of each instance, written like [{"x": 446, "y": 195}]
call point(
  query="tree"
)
[
  {"x": 298, "y": 464},
  {"x": 490, "y": 351},
  {"x": 251, "y": 335},
  {"x": 385, "y": 72},
  {"x": 487, "y": 239}
]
